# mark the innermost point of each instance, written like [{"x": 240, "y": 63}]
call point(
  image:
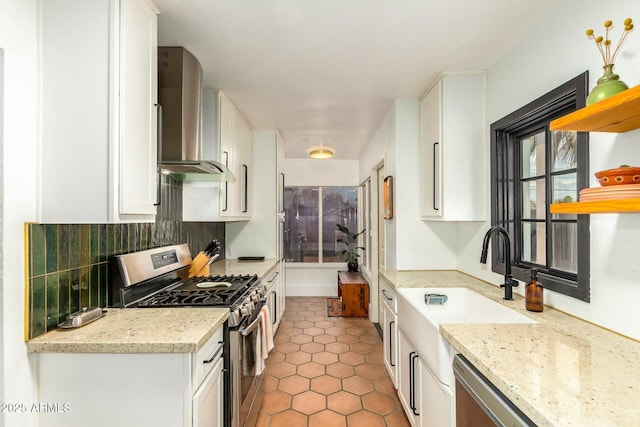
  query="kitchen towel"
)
[
  {"x": 259, "y": 361},
  {"x": 264, "y": 340},
  {"x": 267, "y": 332}
]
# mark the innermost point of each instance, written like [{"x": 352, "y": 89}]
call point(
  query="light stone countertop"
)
[
  {"x": 149, "y": 330},
  {"x": 562, "y": 371},
  {"x": 137, "y": 330}
]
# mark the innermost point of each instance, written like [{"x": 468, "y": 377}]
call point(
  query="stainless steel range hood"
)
[{"x": 180, "y": 96}]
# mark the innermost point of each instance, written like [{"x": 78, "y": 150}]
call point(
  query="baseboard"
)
[
  {"x": 312, "y": 291},
  {"x": 379, "y": 329}
]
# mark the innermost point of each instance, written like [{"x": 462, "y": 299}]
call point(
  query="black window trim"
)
[{"x": 505, "y": 210}]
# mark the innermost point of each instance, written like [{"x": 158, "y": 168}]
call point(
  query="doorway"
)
[{"x": 380, "y": 234}]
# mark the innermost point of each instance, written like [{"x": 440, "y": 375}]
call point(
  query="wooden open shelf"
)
[
  {"x": 618, "y": 113},
  {"x": 601, "y": 206}
]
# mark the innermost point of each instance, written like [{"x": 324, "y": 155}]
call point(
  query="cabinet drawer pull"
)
[
  {"x": 218, "y": 350},
  {"x": 385, "y": 295},
  {"x": 274, "y": 276}
]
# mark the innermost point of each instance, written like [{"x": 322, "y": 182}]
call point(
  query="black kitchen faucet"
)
[{"x": 509, "y": 281}]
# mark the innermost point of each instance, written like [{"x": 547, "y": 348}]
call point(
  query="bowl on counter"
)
[{"x": 619, "y": 176}]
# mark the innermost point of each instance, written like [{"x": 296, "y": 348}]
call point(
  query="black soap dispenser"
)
[{"x": 533, "y": 293}]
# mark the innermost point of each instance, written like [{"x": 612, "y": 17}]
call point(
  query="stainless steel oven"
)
[
  {"x": 246, "y": 382},
  {"x": 157, "y": 278}
]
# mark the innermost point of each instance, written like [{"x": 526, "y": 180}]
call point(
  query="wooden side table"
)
[{"x": 354, "y": 291}]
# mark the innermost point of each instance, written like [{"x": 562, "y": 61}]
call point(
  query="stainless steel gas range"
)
[{"x": 159, "y": 278}]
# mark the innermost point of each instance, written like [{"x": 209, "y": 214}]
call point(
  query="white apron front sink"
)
[{"x": 420, "y": 322}]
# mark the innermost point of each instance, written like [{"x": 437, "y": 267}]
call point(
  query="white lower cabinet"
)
[
  {"x": 275, "y": 296},
  {"x": 151, "y": 389},
  {"x": 282, "y": 292},
  {"x": 272, "y": 298},
  {"x": 436, "y": 400},
  {"x": 409, "y": 387},
  {"x": 426, "y": 401},
  {"x": 390, "y": 341},
  {"x": 208, "y": 403}
]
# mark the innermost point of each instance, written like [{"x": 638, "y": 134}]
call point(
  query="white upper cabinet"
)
[
  {"x": 99, "y": 119},
  {"x": 236, "y": 154},
  {"x": 226, "y": 138},
  {"x": 260, "y": 235},
  {"x": 453, "y": 140}
]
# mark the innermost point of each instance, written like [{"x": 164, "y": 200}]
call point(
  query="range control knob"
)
[
  {"x": 245, "y": 311},
  {"x": 255, "y": 297}
]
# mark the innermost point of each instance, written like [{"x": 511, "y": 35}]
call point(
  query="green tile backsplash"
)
[{"x": 68, "y": 263}]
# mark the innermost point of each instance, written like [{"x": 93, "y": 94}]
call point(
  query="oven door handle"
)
[{"x": 246, "y": 331}]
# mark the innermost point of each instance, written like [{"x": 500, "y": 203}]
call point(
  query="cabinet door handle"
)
[
  {"x": 435, "y": 206},
  {"x": 385, "y": 295},
  {"x": 275, "y": 308},
  {"x": 414, "y": 357},
  {"x": 281, "y": 208},
  {"x": 158, "y": 154},
  {"x": 226, "y": 184},
  {"x": 391, "y": 343},
  {"x": 246, "y": 187},
  {"x": 218, "y": 350},
  {"x": 411, "y": 381}
]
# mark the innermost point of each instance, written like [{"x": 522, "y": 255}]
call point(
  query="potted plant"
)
[{"x": 351, "y": 251}]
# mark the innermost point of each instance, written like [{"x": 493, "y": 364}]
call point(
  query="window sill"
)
[{"x": 316, "y": 265}]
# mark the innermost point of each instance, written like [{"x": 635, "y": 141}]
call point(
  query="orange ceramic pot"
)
[{"x": 619, "y": 176}]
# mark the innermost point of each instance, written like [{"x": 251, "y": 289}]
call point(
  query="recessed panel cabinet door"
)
[
  {"x": 208, "y": 408},
  {"x": 138, "y": 116},
  {"x": 409, "y": 379},
  {"x": 452, "y": 140},
  {"x": 390, "y": 341},
  {"x": 431, "y": 149}
]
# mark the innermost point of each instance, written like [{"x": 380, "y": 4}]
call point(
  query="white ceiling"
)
[{"x": 327, "y": 71}]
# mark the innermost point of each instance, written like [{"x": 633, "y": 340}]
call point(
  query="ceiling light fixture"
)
[{"x": 321, "y": 153}]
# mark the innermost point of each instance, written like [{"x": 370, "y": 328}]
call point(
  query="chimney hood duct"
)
[{"x": 180, "y": 96}]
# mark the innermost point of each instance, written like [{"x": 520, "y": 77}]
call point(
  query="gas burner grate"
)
[
  {"x": 173, "y": 298},
  {"x": 187, "y": 293}
]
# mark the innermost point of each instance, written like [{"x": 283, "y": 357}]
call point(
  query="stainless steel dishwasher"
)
[{"x": 479, "y": 403}]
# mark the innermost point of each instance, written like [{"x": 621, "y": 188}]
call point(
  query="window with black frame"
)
[
  {"x": 532, "y": 167},
  {"x": 311, "y": 218}
]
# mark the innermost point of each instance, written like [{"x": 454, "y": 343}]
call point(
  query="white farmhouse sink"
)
[{"x": 420, "y": 322}]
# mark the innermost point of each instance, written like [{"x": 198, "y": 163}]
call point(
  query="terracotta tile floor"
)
[{"x": 327, "y": 371}]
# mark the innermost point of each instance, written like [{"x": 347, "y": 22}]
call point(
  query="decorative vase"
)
[
  {"x": 608, "y": 85},
  {"x": 352, "y": 266}
]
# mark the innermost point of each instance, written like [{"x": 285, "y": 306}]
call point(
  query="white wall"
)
[
  {"x": 18, "y": 138},
  {"x": 554, "y": 52},
  {"x": 315, "y": 172},
  {"x": 411, "y": 243}
]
